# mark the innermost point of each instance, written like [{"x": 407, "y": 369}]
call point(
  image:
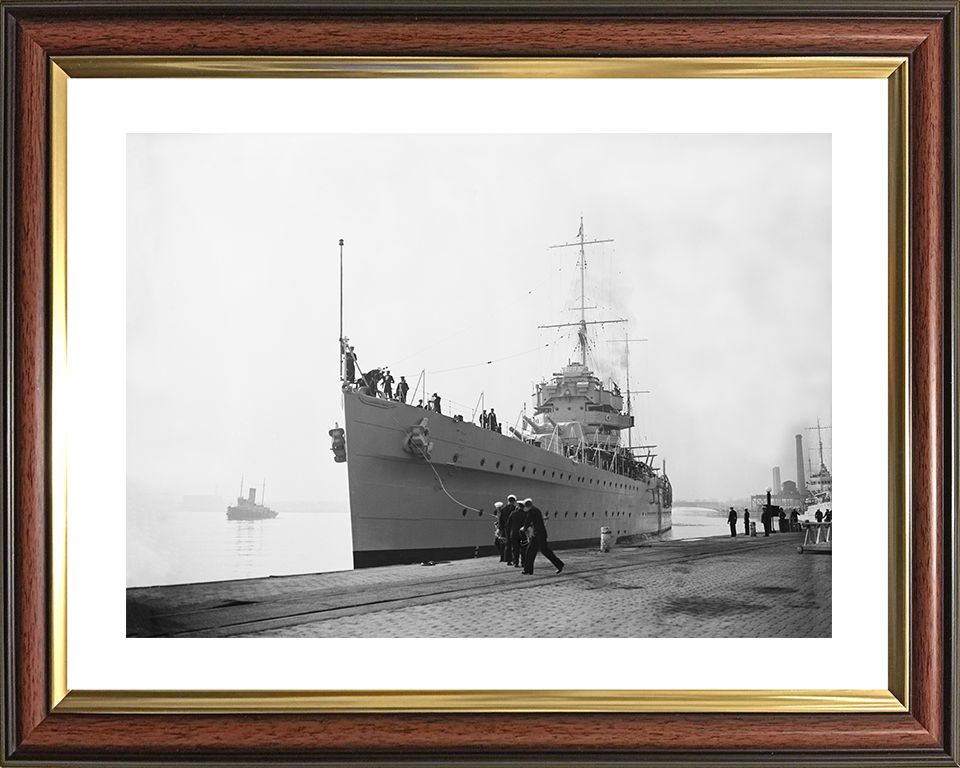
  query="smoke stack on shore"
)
[
  {"x": 777, "y": 487},
  {"x": 801, "y": 482}
]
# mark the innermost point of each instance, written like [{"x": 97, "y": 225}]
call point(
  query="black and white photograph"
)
[{"x": 492, "y": 385}]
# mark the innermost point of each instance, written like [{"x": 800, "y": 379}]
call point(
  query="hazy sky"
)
[{"x": 721, "y": 260}]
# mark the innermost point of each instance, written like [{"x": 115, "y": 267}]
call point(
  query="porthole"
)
[
  {"x": 498, "y": 465},
  {"x": 592, "y": 514},
  {"x": 456, "y": 458},
  {"x": 575, "y": 514},
  {"x": 553, "y": 474},
  {"x": 464, "y": 513},
  {"x": 480, "y": 513},
  {"x": 566, "y": 514},
  {"x": 523, "y": 468},
  {"x": 482, "y": 462},
  {"x": 511, "y": 467}
]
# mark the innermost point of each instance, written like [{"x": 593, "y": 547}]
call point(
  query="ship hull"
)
[
  {"x": 239, "y": 514},
  {"x": 407, "y": 509}
]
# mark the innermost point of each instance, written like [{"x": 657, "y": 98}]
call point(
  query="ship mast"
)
[
  {"x": 582, "y": 242},
  {"x": 628, "y": 341},
  {"x": 819, "y": 441}
]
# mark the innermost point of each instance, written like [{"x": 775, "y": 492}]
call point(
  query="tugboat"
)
[
  {"x": 422, "y": 484},
  {"x": 248, "y": 509}
]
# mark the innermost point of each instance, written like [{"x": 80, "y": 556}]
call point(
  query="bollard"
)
[
  {"x": 606, "y": 539},
  {"x": 753, "y": 529}
]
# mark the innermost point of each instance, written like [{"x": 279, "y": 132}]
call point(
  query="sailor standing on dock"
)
[
  {"x": 732, "y": 519},
  {"x": 514, "y": 524},
  {"x": 746, "y": 521},
  {"x": 537, "y": 539},
  {"x": 503, "y": 513}
]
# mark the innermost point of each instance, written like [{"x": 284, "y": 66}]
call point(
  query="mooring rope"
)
[{"x": 444, "y": 488}]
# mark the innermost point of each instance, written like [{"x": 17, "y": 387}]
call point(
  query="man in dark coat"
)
[
  {"x": 765, "y": 519},
  {"x": 503, "y": 515},
  {"x": 514, "y": 524},
  {"x": 402, "y": 389},
  {"x": 537, "y": 539},
  {"x": 494, "y": 424},
  {"x": 436, "y": 402},
  {"x": 746, "y": 521},
  {"x": 350, "y": 366},
  {"x": 732, "y": 520},
  {"x": 388, "y": 385}
]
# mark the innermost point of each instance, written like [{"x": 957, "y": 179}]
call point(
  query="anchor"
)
[{"x": 416, "y": 440}]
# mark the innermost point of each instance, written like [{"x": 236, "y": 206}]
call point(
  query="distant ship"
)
[
  {"x": 819, "y": 486},
  {"x": 248, "y": 509},
  {"x": 422, "y": 485}
]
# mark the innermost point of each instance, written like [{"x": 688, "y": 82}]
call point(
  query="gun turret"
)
[{"x": 534, "y": 426}]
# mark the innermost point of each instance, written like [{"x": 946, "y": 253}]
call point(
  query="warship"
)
[{"x": 422, "y": 485}]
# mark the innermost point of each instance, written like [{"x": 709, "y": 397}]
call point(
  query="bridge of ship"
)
[{"x": 580, "y": 418}]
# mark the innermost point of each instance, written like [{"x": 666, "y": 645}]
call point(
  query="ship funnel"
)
[
  {"x": 253, "y": 496},
  {"x": 801, "y": 483}
]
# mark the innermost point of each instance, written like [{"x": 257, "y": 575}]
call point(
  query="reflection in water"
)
[
  {"x": 248, "y": 543},
  {"x": 179, "y": 547},
  {"x": 698, "y": 523}
]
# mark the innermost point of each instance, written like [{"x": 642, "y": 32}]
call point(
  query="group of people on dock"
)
[
  {"x": 767, "y": 517},
  {"x": 521, "y": 534}
]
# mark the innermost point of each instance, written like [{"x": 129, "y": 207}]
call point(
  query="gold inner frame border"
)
[{"x": 895, "y": 699}]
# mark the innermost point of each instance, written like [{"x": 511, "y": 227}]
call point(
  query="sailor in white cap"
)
[
  {"x": 503, "y": 518},
  {"x": 514, "y": 524},
  {"x": 498, "y": 540}
]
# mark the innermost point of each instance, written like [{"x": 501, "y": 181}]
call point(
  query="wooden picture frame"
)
[{"x": 915, "y": 721}]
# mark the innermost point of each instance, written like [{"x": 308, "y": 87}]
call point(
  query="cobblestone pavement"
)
[{"x": 716, "y": 587}]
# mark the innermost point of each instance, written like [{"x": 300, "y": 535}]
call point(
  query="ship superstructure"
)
[{"x": 422, "y": 485}]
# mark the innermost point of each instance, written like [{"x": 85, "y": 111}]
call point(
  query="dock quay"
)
[{"x": 752, "y": 587}]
